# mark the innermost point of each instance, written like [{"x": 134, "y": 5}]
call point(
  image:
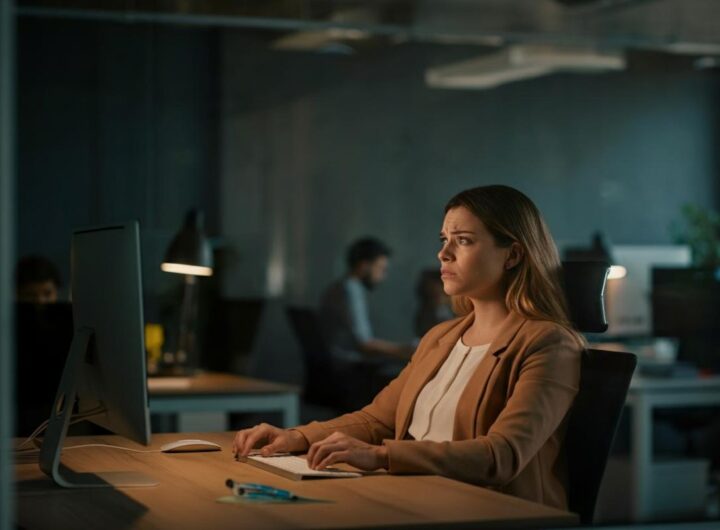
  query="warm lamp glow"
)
[
  {"x": 617, "y": 272},
  {"x": 180, "y": 268}
]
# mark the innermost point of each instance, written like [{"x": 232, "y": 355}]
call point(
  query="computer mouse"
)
[{"x": 189, "y": 446}]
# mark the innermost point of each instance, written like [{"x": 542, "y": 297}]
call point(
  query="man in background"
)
[
  {"x": 344, "y": 312},
  {"x": 37, "y": 280}
]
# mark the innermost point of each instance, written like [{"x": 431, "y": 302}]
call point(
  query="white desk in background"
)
[
  {"x": 645, "y": 395},
  {"x": 207, "y": 398}
]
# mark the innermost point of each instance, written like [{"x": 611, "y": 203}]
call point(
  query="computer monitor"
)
[
  {"x": 686, "y": 305},
  {"x": 105, "y": 367},
  {"x": 628, "y": 304}
]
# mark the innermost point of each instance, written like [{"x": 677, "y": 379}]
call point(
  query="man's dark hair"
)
[
  {"x": 366, "y": 249},
  {"x": 36, "y": 269}
]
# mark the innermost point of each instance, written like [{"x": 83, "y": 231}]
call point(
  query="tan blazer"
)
[{"x": 510, "y": 419}]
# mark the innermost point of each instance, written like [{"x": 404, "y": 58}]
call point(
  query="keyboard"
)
[{"x": 295, "y": 467}]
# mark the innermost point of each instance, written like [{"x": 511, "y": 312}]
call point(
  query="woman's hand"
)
[
  {"x": 271, "y": 439},
  {"x": 340, "y": 447}
]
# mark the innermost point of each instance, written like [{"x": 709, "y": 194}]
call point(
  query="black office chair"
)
[
  {"x": 231, "y": 332},
  {"x": 604, "y": 381},
  {"x": 584, "y": 283},
  {"x": 343, "y": 386},
  {"x": 318, "y": 387}
]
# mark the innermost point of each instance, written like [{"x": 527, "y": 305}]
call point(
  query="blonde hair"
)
[{"x": 534, "y": 287}]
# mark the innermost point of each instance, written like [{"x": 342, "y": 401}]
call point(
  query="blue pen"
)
[{"x": 252, "y": 490}]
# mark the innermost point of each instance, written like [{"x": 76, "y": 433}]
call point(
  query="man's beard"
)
[{"x": 368, "y": 282}]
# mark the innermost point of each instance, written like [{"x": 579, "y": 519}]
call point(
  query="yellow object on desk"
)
[{"x": 154, "y": 340}]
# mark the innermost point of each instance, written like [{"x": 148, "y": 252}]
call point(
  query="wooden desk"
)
[
  {"x": 217, "y": 393},
  {"x": 190, "y": 483}
]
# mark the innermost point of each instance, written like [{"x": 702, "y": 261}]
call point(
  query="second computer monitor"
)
[{"x": 686, "y": 306}]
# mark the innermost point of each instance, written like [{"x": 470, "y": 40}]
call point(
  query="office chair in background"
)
[
  {"x": 343, "y": 386},
  {"x": 230, "y": 334},
  {"x": 604, "y": 381}
]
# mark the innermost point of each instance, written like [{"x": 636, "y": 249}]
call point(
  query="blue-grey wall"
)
[
  {"x": 293, "y": 155},
  {"x": 115, "y": 122},
  {"x": 319, "y": 149}
]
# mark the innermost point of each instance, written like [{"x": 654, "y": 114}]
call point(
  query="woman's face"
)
[{"x": 472, "y": 264}]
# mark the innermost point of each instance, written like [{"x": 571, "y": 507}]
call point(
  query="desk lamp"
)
[{"x": 189, "y": 254}]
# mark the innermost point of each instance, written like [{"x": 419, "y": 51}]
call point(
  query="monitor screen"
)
[
  {"x": 105, "y": 368},
  {"x": 686, "y": 301},
  {"x": 686, "y": 305}
]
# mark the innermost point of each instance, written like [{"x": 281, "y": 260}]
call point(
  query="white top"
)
[{"x": 434, "y": 414}]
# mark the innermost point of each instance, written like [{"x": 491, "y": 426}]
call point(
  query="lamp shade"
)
[{"x": 190, "y": 252}]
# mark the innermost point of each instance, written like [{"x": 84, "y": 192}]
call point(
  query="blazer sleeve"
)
[{"x": 543, "y": 393}]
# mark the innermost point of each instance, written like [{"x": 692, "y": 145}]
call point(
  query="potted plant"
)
[{"x": 700, "y": 230}]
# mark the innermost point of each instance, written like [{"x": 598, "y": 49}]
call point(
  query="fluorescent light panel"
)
[{"x": 520, "y": 62}]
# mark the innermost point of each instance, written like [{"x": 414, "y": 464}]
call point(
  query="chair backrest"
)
[
  {"x": 604, "y": 381},
  {"x": 316, "y": 354},
  {"x": 232, "y": 328},
  {"x": 306, "y": 325},
  {"x": 584, "y": 283}
]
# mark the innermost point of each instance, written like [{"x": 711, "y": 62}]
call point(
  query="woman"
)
[{"x": 485, "y": 397}]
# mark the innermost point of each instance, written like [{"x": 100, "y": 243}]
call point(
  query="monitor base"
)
[{"x": 104, "y": 479}]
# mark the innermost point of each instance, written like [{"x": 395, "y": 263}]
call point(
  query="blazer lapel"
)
[
  {"x": 469, "y": 402},
  {"x": 425, "y": 371}
]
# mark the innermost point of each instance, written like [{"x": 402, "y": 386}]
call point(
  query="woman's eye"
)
[
  {"x": 443, "y": 240},
  {"x": 463, "y": 240}
]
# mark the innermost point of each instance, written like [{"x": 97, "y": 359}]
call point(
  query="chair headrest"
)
[{"x": 584, "y": 283}]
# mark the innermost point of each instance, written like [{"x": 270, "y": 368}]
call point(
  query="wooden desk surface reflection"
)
[
  {"x": 190, "y": 484},
  {"x": 221, "y": 393},
  {"x": 209, "y": 383}
]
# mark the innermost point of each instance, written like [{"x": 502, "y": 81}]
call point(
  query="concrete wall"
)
[
  {"x": 293, "y": 155},
  {"x": 319, "y": 149},
  {"x": 115, "y": 122}
]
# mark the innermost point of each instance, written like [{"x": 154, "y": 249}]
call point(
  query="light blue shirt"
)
[{"x": 345, "y": 317}]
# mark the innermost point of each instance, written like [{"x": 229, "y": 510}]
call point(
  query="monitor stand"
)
[{"x": 60, "y": 417}]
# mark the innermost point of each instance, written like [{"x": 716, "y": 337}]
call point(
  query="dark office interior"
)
[{"x": 294, "y": 128}]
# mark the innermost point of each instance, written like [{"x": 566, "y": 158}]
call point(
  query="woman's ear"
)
[{"x": 515, "y": 256}]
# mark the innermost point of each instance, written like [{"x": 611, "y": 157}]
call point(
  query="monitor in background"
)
[
  {"x": 628, "y": 304},
  {"x": 686, "y": 305},
  {"x": 105, "y": 368}
]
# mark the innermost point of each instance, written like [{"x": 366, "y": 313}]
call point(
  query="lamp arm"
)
[{"x": 187, "y": 320}]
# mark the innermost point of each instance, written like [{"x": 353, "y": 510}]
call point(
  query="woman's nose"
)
[{"x": 443, "y": 254}]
